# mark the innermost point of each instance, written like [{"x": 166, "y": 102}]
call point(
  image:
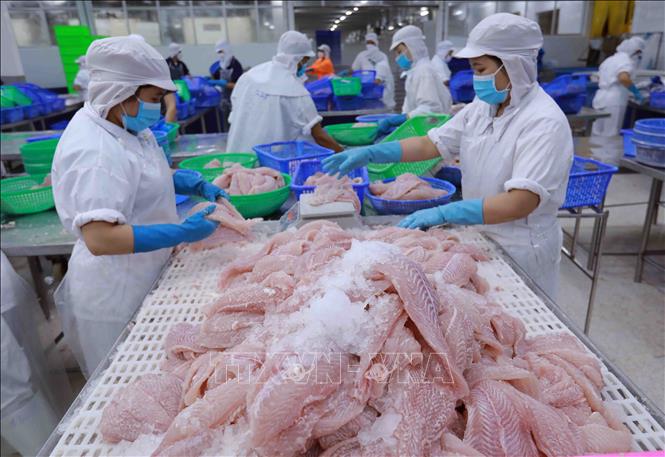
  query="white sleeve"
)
[
  {"x": 304, "y": 114},
  {"x": 357, "y": 62},
  {"x": 427, "y": 100},
  {"x": 87, "y": 194},
  {"x": 543, "y": 155},
  {"x": 448, "y": 137}
]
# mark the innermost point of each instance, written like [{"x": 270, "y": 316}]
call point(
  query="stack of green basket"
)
[
  {"x": 25, "y": 195},
  {"x": 73, "y": 42},
  {"x": 37, "y": 156}
]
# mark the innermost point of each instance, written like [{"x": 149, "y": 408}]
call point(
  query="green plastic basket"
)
[
  {"x": 354, "y": 134},
  {"x": 245, "y": 159},
  {"x": 15, "y": 96},
  {"x": 5, "y": 102},
  {"x": 39, "y": 151},
  {"x": 344, "y": 87},
  {"x": 417, "y": 126},
  {"x": 183, "y": 90},
  {"x": 265, "y": 204},
  {"x": 172, "y": 133},
  {"x": 17, "y": 197}
]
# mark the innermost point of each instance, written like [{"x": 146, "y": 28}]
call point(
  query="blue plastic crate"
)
[
  {"x": 373, "y": 117},
  {"x": 366, "y": 76},
  {"x": 58, "y": 104},
  {"x": 191, "y": 108},
  {"x": 208, "y": 97},
  {"x": 657, "y": 99},
  {"x": 307, "y": 168},
  {"x": 285, "y": 156},
  {"x": 383, "y": 206},
  {"x": 195, "y": 84},
  {"x": 371, "y": 103},
  {"x": 587, "y": 187},
  {"x": 31, "y": 111},
  {"x": 59, "y": 125},
  {"x": 650, "y": 132},
  {"x": 182, "y": 110},
  {"x": 320, "y": 86},
  {"x": 461, "y": 86},
  {"x": 347, "y": 103},
  {"x": 11, "y": 115},
  {"x": 628, "y": 145},
  {"x": 570, "y": 103},
  {"x": 42, "y": 138},
  {"x": 372, "y": 91},
  {"x": 321, "y": 101}
]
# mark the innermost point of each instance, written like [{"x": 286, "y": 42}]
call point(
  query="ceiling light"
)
[
  {"x": 355, "y": 8},
  {"x": 458, "y": 12},
  {"x": 400, "y": 24},
  {"x": 349, "y": 13},
  {"x": 391, "y": 27},
  {"x": 336, "y": 21},
  {"x": 341, "y": 18},
  {"x": 424, "y": 12},
  {"x": 423, "y": 8},
  {"x": 266, "y": 23},
  {"x": 272, "y": 27},
  {"x": 363, "y": 2},
  {"x": 332, "y": 29}
]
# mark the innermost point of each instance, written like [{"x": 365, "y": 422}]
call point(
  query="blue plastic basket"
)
[
  {"x": 191, "y": 108},
  {"x": 59, "y": 125},
  {"x": 182, "y": 110},
  {"x": 372, "y": 91},
  {"x": 58, "y": 104},
  {"x": 371, "y": 103},
  {"x": 321, "y": 101},
  {"x": 347, "y": 103},
  {"x": 657, "y": 99},
  {"x": 587, "y": 187},
  {"x": 383, "y": 206},
  {"x": 319, "y": 87},
  {"x": 31, "y": 111},
  {"x": 208, "y": 97},
  {"x": 11, "y": 115},
  {"x": 373, "y": 117},
  {"x": 285, "y": 156},
  {"x": 42, "y": 138},
  {"x": 571, "y": 103},
  {"x": 461, "y": 86},
  {"x": 650, "y": 132},
  {"x": 628, "y": 145},
  {"x": 307, "y": 168},
  {"x": 366, "y": 76},
  {"x": 195, "y": 84}
]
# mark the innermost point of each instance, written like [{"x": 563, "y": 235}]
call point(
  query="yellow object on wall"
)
[{"x": 611, "y": 18}]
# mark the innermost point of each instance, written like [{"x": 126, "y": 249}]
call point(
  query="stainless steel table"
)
[
  {"x": 657, "y": 177},
  {"x": 200, "y": 116},
  {"x": 635, "y": 107},
  {"x": 587, "y": 116},
  {"x": 187, "y": 146}
]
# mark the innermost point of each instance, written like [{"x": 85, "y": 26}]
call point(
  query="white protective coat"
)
[
  {"x": 82, "y": 78},
  {"x": 612, "y": 96},
  {"x": 424, "y": 91},
  {"x": 439, "y": 59},
  {"x": 528, "y": 147},
  {"x": 270, "y": 103},
  {"x": 101, "y": 172},
  {"x": 385, "y": 74},
  {"x": 367, "y": 59}
]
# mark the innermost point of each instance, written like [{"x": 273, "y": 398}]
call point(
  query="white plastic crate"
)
[{"x": 190, "y": 282}]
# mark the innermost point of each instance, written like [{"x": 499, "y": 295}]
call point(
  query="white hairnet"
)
[
  {"x": 413, "y": 38},
  {"x": 81, "y": 61},
  {"x": 291, "y": 49},
  {"x": 444, "y": 47},
  {"x": 136, "y": 36},
  {"x": 174, "y": 49},
  {"x": 326, "y": 50},
  {"x": 631, "y": 45},
  {"x": 224, "y": 46},
  {"x": 372, "y": 37},
  {"x": 513, "y": 39},
  {"x": 118, "y": 66}
]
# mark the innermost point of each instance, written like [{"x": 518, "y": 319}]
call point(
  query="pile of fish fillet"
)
[
  {"x": 331, "y": 189},
  {"x": 383, "y": 342},
  {"x": 406, "y": 187},
  {"x": 238, "y": 180}
]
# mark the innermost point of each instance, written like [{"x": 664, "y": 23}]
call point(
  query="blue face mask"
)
[
  {"x": 485, "y": 87},
  {"x": 301, "y": 71},
  {"x": 147, "y": 115},
  {"x": 403, "y": 61}
]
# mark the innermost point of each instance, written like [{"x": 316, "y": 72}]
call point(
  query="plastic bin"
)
[
  {"x": 60, "y": 125},
  {"x": 353, "y": 134},
  {"x": 321, "y": 101},
  {"x": 58, "y": 104},
  {"x": 571, "y": 103},
  {"x": 285, "y": 156},
  {"x": 371, "y": 103},
  {"x": 308, "y": 168},
  {"x": 350, "y": 103},
  {"x": 628, "y": 146},
  {"x": 207, "y": 97},
  {"x": 416, "y": 126},
  {"x": 11, "y": 115},
  {"x": 461, "y": 86},
  {"x": 43, "y": 138},
  {"x": 245, "y": 159},
  {"x": 16, "y": 96},
  {"x": 31, "y": 111},
  {"x": 383, "y": 206},
  {"x": 320, "y": 86},
  {"x": 650, "y": 131},
  {"x": 37, "y": 156},
  {"x": 182, "y": 90},
  {"x": 346, "y": 87},
  {"x": 587, "y": 183},
  {"x": 365, "y": 76},
  {"x": 373, "y": 91},
  {"x": 657, "y": 99},
  {"x": 18, "y": 197},
  {"x": 196, "y": 84},
  {"x": 265, "y": 204}
]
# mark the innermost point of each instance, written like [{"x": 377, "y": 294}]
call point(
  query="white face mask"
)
[{"x": 370, "y": 47}]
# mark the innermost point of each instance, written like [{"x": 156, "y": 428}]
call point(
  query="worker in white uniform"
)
[
  {"x": 384, "y": 76},
  {"x": 114, "y": 191},
  {"x": 424, "y": 92},
  {"x": 444, "y": 53},
  {"x": 270, "y": 102},
  {"x": 515, "y": 147},
  {"x": 82, "y": 79},
  {"x": 368, "y": 58},
  {"x": 616, "y": 75}
]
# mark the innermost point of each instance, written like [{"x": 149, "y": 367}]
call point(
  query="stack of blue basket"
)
[
  {"x": 321, "y": 92},
  {"x": 568, "y": 91}
]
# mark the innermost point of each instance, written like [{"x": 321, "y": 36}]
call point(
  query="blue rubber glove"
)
[
  {"x": 190, "y": 182},
  {"x": 157, "y": 236},
  {"x": 218, "y": 82},
  {"x": 345, "y": 162},
  {"x": 464, "y": 212},
  {"x": 636, "y": 92},
  {"x": 387, "y": 124}
]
